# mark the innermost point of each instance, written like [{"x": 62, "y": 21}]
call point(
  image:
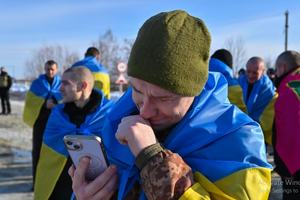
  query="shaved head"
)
[
  {"x": 255, "y": 68},
  {"x": 81, "y": 74},
  {"x": 286, "y": 62},
  {"x": 77, "y": 85},
  {"x": 291, "y": 59},
  {"x": 257, "y": 61}
]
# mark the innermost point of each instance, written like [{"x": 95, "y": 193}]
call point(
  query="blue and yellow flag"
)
[
  {"x": 40, "y": 89},
  {"x": 235, "y": 92},
  {"x": 223, "y": 146},
  {"x": 260, "y": 104},
  {"x": 53, "y": 156},
  {"x": 101, "y": 76}
]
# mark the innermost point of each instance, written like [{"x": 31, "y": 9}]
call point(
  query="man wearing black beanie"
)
[
  {"x": 224, "y": 56},
  {"x": 271, "y": 74},
  {"x": 221, "y": 61}
]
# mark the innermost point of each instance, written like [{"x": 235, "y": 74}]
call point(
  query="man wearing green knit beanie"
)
[
  {"x": 172, "y": 52},
  {"x": 174, "y": 134}
]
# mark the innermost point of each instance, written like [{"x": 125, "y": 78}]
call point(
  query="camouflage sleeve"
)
[
  {"x": 166, "y": 176},
  {"x": 146, "y": 154}
]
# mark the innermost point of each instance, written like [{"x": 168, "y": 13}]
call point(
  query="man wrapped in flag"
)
[
  {"x": 174, "y": 134},
  {"x": 42, "y": 96},
  {"x": 221, "y": 61},
  {"x": 101, "y": 76},
  {"x": 83, "y": 112},
  {"x": 287, "y": 121},
  {"x": 259, "y": 95}
]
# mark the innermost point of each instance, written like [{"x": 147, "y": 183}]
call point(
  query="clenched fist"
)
[{"x": 135, "y": 132}]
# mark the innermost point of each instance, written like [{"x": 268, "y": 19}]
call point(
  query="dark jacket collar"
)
[
  {"x": 95, "y": 100},
  {"x": 50, "y": 80},
  {"x": 3, "y": 73},
  {"x": 278, "y": 80}
]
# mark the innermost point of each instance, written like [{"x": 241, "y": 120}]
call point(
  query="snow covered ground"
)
[{"x": 19, "y": 88}]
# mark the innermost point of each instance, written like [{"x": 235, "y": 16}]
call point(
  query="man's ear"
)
[{"x": 84, "y": 85}]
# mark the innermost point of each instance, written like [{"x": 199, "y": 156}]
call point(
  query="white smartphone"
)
[{"x": 90, "y": 146}]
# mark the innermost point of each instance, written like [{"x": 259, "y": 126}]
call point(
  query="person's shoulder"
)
[
  {"x": 38, "y": 79},
  {"x": 292, "y": 85},
  {"x": 233, "y": 83},
  {"x": 5, "y": 74},
  {"x": 242, "y": 79},
  {"x": 108, "y": 102},
  {"x": 100, "y": 95},
  {"x": 78, "y": 63},
  {"x": 103, "y": 69},
  {"x": 267, "y": 83}
]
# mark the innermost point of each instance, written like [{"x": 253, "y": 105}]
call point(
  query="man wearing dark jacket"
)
[
  {"x": 271, "y": 74},
  {"x": 83, "y": 112},
  {"x": 5, "y": 84}
]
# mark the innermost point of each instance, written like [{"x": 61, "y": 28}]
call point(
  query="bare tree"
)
[
  {"x": 63, "y": 57},
  {"x": 237, "y": 48},
  {"x": 112, "y": 52},
  {"x": 269, "y": 63},
  {"x": 109, "y": 52},
  {"x": 128, "y": 44}
]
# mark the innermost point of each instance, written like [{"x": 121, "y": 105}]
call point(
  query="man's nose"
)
[{"x": 148, "y": 109}]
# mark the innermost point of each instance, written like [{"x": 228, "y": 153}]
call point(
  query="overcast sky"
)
[{"x": 27, "y": 25}]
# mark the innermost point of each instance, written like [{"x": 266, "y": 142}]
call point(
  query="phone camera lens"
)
[
  {"x": 76, "y": 146},
  {"x": 69, "y": 143}
]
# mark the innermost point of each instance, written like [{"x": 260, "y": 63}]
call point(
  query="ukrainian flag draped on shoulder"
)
[
  {"x": 40, "y": 89},
  {"x": 260, "y": 104},
  {"x": 223, "y": 146},
  {"x": 101, "y": 76},
  {"x": 53, "y": 156},
  {"x": 235, "y": 92}
]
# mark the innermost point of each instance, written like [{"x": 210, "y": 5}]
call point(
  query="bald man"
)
[
  {"x": 286, "y": 139},
  {"x": 83, "y": 112},
  {"x": 259, "y": 95}
]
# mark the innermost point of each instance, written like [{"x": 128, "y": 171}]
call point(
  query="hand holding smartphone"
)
[{"x": 80, "y": 146}]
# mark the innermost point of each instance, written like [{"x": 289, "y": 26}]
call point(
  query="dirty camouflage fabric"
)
[
  {"x": 134, "y": 193},
  {"x": 166, "y": 176}
]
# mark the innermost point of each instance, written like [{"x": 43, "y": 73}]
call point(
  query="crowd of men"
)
[{"x": 186, "y": 128}]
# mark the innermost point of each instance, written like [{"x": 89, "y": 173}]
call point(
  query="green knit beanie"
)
[{"x": 172, "y": 51}]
